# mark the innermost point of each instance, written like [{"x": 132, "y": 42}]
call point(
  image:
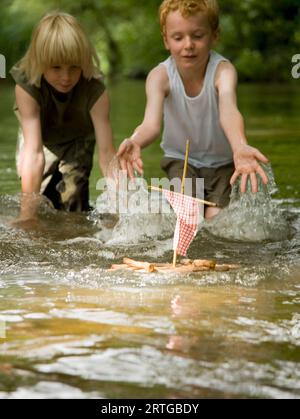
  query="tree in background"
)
[{"x": 259, "y": 36}]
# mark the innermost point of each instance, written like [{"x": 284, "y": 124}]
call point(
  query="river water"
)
[{"x": 71, "y": 328}]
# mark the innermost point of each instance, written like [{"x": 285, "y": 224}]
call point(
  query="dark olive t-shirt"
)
[{"x": 64, "y": 117}]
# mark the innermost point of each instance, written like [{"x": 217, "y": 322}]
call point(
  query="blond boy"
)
[{"x": 63, "y": 108}]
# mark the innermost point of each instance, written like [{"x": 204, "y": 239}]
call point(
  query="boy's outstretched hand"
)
[
  {"x": 246, "y": 160},
  {"x": 129, "y": 155}
]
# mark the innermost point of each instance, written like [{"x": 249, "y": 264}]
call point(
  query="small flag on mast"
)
[{"x": 188, "y": 218}]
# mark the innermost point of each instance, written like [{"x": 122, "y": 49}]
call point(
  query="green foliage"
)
[{"x": 259, "y": 36}]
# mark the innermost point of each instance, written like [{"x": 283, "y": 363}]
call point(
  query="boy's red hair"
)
[{"x": 188, "y": 8}]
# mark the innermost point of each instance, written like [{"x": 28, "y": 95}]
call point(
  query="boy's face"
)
[
  {"x": 63, "y": 77},
  {"x": 189, "y": 39}
]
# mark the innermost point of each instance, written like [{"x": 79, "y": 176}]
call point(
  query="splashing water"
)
[
  {"x": 251, "y": 217},
  {"x": 137, "y": 215},
  {"x": 248, "y": 218}
]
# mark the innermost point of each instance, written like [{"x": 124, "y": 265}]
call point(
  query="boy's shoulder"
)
[
  {"x": 159, "y": 71},
  {"x": 94, "y": 81},
  {"x": 21, "y": 80},
  {"x": 225, "y": 73},
  {"x": 158, "y": 74},
  {"x": 18, "y": 75},
  {"x": 158, "y": 79},
  {"x": 88, "y": 87}
]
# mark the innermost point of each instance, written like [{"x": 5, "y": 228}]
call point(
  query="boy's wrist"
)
[
  {"x": 242, "y": 143},
  {"x": 134, "y": 139}
]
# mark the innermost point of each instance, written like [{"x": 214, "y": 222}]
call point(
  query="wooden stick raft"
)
[{"x": 185, "y": 266}]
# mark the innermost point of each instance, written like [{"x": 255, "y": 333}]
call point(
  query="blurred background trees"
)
[{"x": 259, "y": 36}]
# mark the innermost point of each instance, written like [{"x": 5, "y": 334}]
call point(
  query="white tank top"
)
[{"x": 195, "y": 119}]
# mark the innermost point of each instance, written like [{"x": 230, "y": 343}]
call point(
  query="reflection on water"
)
[{"x": 75, "y": 330}]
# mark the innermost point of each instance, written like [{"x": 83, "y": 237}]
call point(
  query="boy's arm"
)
[
  {"x": 246, "y": 158},
  {"x": 103, "y": 131},
  {"x": 33, "y": 161},
  {"x": 157, "y": 86}
]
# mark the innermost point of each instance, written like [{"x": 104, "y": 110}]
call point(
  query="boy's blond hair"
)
[
  {"x": 59, "y": 39},
  {"x": 188, "y": 8}
]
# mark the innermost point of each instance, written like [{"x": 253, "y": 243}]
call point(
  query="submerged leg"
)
[
  {"x": 74, "y": 187},
  {"x": 211, "y": 212}
]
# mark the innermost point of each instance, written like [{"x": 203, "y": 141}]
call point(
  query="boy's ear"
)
[
  {"x": 165, "y": 41},
  {"x": 216, "y": 36}
]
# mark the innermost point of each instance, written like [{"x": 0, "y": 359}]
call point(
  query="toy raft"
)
[
  {"x": 187, "y": 211},
  {"x": 184, "y": 266}
]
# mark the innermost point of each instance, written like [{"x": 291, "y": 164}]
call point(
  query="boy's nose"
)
[
  {"x": 188, "y": 42},
  {"x": 66, "y": 76}
]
